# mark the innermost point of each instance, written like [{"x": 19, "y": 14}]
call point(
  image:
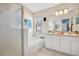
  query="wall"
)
[
  {"x": 28, "y": 15},
  {"x": 28, "y": 33}
]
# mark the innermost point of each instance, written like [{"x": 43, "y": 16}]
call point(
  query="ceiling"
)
[{"x": 36, "y": 7}]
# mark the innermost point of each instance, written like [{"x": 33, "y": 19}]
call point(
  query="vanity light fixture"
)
[{"x": 61, "y": 12}]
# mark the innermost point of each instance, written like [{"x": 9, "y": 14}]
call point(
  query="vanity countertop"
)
[{"x": 63, "y": 34}]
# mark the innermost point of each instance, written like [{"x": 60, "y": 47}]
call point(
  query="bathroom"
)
[{"x": 26, "y": 29}]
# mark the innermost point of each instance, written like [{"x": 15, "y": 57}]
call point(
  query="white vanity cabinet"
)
[
  {"x": 65, "y": 44},
  {"x": 52, "y": 42},
  {"x": 75, "y": 46}
]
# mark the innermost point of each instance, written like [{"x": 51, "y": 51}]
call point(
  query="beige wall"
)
[
  {"x": 27, "y": 33},
  {"x": 28, "y": 15},
  {"x": 57, "y": 7}
]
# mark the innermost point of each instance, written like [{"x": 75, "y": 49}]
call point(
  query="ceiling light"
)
[
  {"x": 61, "y": 12},
  {"x": 65, "y": 11}
]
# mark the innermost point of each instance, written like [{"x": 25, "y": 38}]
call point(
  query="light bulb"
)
[
  {"x": 65, "y": 11},
  {"x": 61, "y": 12},
  {"x": 57, "y": 13}
]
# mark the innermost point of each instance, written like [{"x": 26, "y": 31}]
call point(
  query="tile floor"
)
[{"x": 47, "y": 52}]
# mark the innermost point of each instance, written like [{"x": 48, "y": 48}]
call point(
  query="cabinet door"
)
[
  {"x": 48, "y": 42},
  {"x": 75, "y": 47},
  {"x": 55, "y": 43},
  {"x": 65, "y": 44},
  {"x": 52, "y": 42}
]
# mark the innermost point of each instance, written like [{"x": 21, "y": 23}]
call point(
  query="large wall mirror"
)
[{"x": 64, "y": 23}]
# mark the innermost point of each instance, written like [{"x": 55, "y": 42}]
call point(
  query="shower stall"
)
[
  {"x": 15, "y": 38},
  {"x": 12, "y": 39}
]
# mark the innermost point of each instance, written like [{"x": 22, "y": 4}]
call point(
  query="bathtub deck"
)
[{"x": 47, "y": 52}]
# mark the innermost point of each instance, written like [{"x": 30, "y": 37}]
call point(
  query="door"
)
[
  {"x": 52, "y": 42},
  {"x": 75, "y": 46},
  {"x": 65, "y": 44},
  {"x": 48, "y": 41},
  {"x": 55, "y": 42}
]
